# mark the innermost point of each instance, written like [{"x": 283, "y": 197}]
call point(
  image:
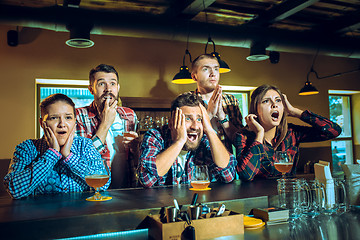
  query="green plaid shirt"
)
[{"x": 232, "y": 109}]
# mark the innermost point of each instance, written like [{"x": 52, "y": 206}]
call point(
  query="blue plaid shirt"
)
[
  {"x": 38, "y": 169},
  {"x": 155, "y": 142}
]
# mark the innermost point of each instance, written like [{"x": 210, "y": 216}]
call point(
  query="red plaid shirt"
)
[
  {"x": 88, "y": 121},
  {"x": 257, "y": 159},
  {"x": 157, "y": 140}
]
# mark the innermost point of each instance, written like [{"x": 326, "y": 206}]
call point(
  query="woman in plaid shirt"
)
[
  {"x": 267, "y": 131},
  {"x": 56, "y": 162}
]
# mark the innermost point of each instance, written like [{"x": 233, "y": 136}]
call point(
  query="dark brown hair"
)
[
  {"x": 186, "y": 99},
  {"x": 57, "y": 97},
  {"x": 102, "y": 68},
  {"x": 256, "y": 98}
]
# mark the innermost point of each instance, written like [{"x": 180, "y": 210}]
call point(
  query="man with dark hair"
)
[
  {"x": 169, "y": 154},
  {"x": 105, "y": 123},
  {"x": 223, "y": 109}
]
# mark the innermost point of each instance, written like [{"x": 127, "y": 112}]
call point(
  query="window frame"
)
[
  {"x": 351, "y": 138},
  {"x": 38, "y": 87}
]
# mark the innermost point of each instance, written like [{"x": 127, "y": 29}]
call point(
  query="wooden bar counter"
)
[{"x": 70, "y": 215}]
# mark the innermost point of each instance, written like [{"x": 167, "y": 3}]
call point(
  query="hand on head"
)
[
  {"x": 255, "y": 126},
  {"x": 290, "y": 110},
  {"x": 177, "y": 126}
]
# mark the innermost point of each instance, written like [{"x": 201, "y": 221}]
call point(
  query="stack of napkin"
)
[{"x": 323, "y": 175}]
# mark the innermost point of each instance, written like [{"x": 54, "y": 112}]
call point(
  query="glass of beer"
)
[
  {"x": 283, "y": 162},
  {"x": 97, "y": 174},
  {"x": 200, "y": 178}
]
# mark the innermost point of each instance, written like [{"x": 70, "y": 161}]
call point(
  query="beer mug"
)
[
  {"x": 335, "y": 196},
  {"x": 289, "y": 191},
  {"x": 312, "y": 197}
]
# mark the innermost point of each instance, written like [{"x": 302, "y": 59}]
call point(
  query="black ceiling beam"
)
[
  {"x": 339, "y": 25},
  {"x": 281, "y": 11},
  {"x": 187, "y": 9},
  {"x": 155, "y": 27}
]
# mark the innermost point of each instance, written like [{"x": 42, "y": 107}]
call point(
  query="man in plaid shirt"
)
[
  {"x": 223, "y": 109},
  {"x": 168, "y": 155},
  {"x": 105, "y": 123}
]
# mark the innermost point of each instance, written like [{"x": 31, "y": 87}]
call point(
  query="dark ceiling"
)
[{"x": 331, "y": 27}]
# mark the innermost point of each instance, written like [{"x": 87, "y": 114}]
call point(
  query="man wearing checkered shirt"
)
[
  {"x": 169, "y": 154},
  {"x": 105, "y": 123},
  {"x": 223, "y": 109}
]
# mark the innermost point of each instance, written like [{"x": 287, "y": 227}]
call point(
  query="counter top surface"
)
[
  {"x": 70, "y": 215},
  {"x": 74, "y": 204}
]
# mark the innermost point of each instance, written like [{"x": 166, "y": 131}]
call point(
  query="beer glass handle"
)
[
  {"x": 308, "y": 196},
  {"x": 323, "y": 196},
  {"x": 344, "y": 204}
]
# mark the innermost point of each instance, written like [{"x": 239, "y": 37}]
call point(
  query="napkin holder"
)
[{"x": 323, "y": 175}]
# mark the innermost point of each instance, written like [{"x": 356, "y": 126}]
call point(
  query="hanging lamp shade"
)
[
  {"x": 308, "y": 89},
  {"x": 224, "y": 68},
  {"x": 184, "y": 76}
]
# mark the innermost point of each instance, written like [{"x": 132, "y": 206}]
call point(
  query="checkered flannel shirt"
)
[
  {"x": 257, "y": 159},
  {"x": 157, "y": 140},
  {"x": 38, "y": 169}
]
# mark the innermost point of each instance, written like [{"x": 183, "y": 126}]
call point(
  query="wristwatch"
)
[{"x": 226, "y": 119}]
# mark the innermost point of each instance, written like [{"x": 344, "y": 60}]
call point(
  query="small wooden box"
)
[{"x": 205, "y": 228}]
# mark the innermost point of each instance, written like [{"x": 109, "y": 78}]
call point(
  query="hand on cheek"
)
[
  {"x": 50, "y": 137},
  {"x": 65, "y": 150}
]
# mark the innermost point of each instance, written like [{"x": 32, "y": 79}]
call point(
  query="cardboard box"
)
[{"x": 206, "y": 228}]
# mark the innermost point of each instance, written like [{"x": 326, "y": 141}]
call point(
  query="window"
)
[
  {"x": 242, "y": 94},
  {"x": 76, "y": 90},
  {"x": 342, "y": 146}
]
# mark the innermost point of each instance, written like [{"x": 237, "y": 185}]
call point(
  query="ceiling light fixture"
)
[
  {"x": 257, "y": 52},
  {"x": 309, "y": 89},
  {"x": 184, "y": 76},
  {"x": 224, "y": 67},
  {"x": 79, "y": 35}
]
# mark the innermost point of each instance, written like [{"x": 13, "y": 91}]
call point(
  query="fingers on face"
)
[
  {"x": 250, "y": 118},
  {"x": 178, "y": 118},
  {"x": 114, "y": 104}
]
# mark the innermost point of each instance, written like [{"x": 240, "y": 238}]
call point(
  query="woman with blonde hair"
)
[{"x": 267, "y": 131}]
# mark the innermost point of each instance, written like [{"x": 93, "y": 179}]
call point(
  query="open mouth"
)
[
  {"x": 275, "y": 115},
  {"x": 61, "y": 133},
  {"x": 192, "y": 137}
]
